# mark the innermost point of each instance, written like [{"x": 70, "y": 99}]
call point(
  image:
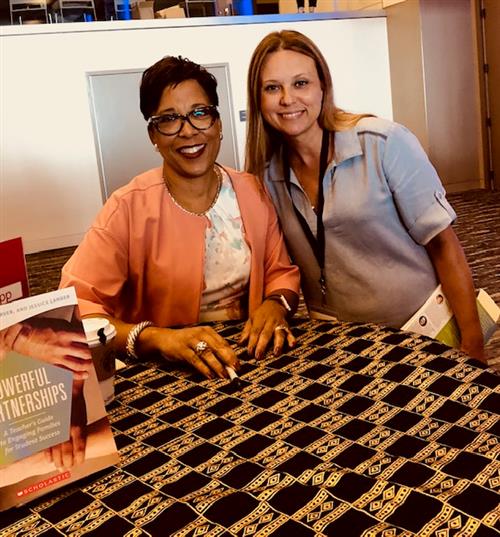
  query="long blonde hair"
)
[{"x": 262, "y": 140}]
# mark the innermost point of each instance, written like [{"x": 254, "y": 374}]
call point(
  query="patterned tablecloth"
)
[{"x": 360, "y": 430}]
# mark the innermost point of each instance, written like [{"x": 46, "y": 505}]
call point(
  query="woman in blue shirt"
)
[{"x": 363, "y": 210}]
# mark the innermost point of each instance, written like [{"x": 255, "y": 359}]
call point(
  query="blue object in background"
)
[
  {"x": 125, "y": 13},
  {"x": 243, "y": 7}
]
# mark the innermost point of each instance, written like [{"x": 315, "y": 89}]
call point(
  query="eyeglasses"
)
[{"x": 201, "y": 118}]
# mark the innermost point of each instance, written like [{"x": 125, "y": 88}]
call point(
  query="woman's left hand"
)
[
  {"x": 474, "y": 347},
  {"x": 266, "y": 322}
]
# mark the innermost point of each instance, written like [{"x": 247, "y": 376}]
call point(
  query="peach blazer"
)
[{"x": 143, "y": 257}]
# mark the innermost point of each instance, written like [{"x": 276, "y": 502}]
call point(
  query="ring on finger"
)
[
  {"x": 282, "y": 327},
  {"x": 200, "y": 347}
]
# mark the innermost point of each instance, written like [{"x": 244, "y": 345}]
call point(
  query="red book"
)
[{"x": 13, "y": 273}]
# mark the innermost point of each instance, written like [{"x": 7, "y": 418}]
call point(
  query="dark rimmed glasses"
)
[{"x": 201, "y": 118}]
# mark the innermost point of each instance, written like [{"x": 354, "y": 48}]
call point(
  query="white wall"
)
[{"x": 50, "y": 187}]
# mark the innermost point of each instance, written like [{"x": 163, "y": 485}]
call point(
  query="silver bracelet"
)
[
  {"x": 132, "y": 338},
  {"x": 278, "y": 297}
]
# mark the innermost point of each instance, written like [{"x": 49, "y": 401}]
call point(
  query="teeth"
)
[
  {"x": 291, "y": 115},
  {"x": 192, "y": 149}
]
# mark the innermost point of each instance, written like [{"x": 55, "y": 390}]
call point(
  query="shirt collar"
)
[{"x": 347, "y": 146}]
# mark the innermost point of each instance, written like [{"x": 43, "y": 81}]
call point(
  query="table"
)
[{"x": 360, "y": 430}]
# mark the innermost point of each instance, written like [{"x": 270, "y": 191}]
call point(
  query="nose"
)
[
  {"x": 287, "y": 96},
  {"x": 187, "y": 129}
]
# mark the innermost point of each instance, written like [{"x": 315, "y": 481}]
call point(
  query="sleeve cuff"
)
[{"x": 437, "y": 217}]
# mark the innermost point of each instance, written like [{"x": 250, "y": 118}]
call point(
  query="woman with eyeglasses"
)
[
  {"x": 363, "y": 211},
  {"x": 187, "y": 243}
]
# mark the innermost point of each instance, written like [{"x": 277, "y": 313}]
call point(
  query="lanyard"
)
[{"x": 317, "y": 243}]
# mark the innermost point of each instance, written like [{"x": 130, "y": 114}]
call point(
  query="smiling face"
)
[
  {"x": 291, "y": 93},
  {"x": 191, "y": 153}
]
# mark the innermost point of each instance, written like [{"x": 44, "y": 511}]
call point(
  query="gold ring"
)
[
  {"x": 200, "y": 347},
  {"x": 282, "y": 327}
]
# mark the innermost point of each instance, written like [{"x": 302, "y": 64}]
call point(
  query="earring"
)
[
  {"x": 221, "y": 136},
  {"x": 157, "y": 149}
]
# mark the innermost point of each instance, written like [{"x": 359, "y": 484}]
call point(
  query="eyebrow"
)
[
  {"x": 272, "y": 80},
  {"x": 173, "y": 111}
]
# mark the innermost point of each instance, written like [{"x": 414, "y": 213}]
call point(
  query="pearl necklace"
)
[{"x": 214, "y": 201}]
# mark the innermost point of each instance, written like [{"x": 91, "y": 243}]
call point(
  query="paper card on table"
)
[{"x": 46, "y": 409}]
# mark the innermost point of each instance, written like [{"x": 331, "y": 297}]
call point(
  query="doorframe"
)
[{"x": 491, "y": 176}]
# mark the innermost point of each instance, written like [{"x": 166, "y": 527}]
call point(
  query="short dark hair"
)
[{"x": 171, "y": 71}]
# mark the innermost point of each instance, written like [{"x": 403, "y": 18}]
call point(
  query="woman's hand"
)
[
  {"x": 455, "y": 276},
  {"x": 181, "y": 345},
  {"x": 63, "y": 348},
  {"x": 267, "y": 321},
  {"x": 473, "y": 346}
]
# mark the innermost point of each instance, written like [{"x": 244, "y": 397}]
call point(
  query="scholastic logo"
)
[{"x": 43, "y": 484}]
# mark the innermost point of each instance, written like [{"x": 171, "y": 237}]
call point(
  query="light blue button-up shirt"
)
[{"x": 383, "y": 202}]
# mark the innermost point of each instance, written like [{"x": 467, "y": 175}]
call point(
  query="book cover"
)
[
  {"x": 13, "y": 274},
  {"x": 54, "y": 427},
  {"x": 435, "y": 318}
]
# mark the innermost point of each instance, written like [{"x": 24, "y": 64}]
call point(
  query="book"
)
[
  {"x": 13, "y": 274},
  {"x": 435, "y": 318},
  {"x": 54, "y": 428}
]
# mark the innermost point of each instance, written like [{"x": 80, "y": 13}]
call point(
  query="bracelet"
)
[
  {"x": 132, "y": 338},
  {"x": 281, "y": 300}
]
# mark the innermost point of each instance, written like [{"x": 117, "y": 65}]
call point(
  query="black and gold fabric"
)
[{"x": 358, "y": 431}]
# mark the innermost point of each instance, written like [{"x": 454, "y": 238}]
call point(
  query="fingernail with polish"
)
[{"x": 231, "y": 372}]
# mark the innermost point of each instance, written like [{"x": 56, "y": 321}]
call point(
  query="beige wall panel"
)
[
  {"x": 325, "y": 6},
  {"x": 388, "y": 3},
  {"x": 451, "y": 91},
  {"x": 355, "y": 5},
  {"x": 407, "y": 77}
]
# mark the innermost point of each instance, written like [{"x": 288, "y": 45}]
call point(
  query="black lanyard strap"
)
[{"x": 317, "y": 243}]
